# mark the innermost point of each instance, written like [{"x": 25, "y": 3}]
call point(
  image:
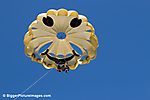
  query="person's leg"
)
[
  {"x": 63, "y": 68},
  {"x": 58, "y": 68},
  {"x": 67, "y": 69}
]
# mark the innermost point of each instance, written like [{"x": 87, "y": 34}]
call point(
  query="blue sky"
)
[{"x": 121, "y": 70}]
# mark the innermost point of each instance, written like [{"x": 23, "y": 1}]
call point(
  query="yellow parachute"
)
[{"x": 61, "y": 28}]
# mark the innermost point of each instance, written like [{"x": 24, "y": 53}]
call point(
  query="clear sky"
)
[{"x": 121, "y": 70}]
